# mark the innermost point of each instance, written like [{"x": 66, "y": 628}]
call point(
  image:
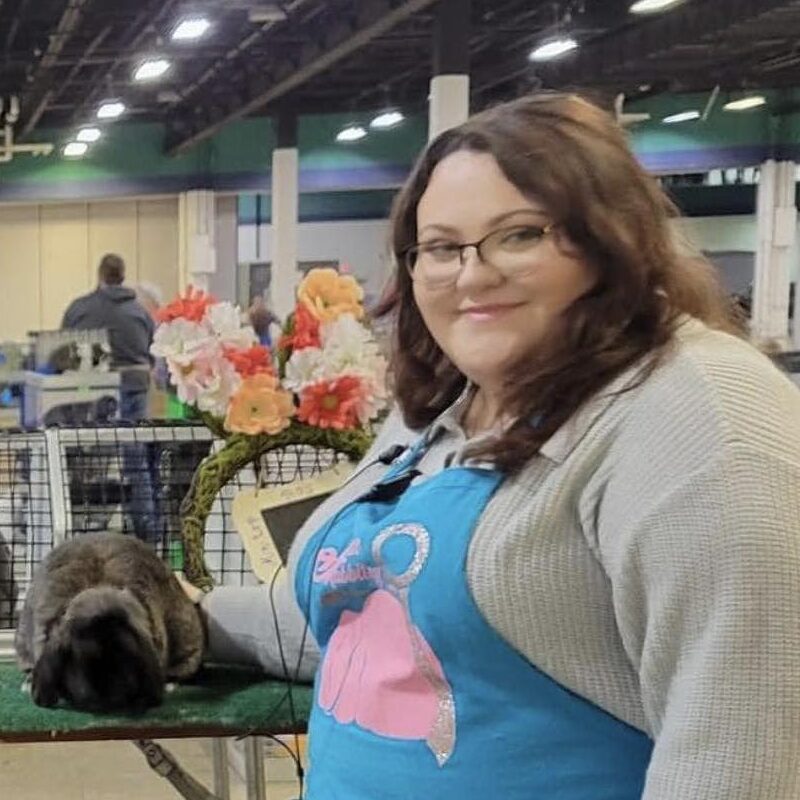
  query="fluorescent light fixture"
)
[
  {"x": 75, "y": 149},
  {"x": 553, "y": 49},
  {"x": 261, "y": 13},
  {"x": 111, "y": 110},
  {"x": 352, "y": 133},
  {"x": 387, "y": 120},
  {"x": 191, "y": 29},
  {"x": 652, "y": 6},
  {"x": 683, "y": 116},
  {"x": 150, "y": 70},
  {"x": 89, "y": 135},
  {"x": 745, "y": 103}
]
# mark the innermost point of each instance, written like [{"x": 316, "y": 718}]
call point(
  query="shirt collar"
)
[{"x": 450, "y": 420}]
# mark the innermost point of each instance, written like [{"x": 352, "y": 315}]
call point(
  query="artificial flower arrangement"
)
[{"x": 324, "y": 386}]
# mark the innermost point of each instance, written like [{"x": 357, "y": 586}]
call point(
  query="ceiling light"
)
[
  {"x": 683, "y": 116},
  {"x": 191, "y": 29},
  {"x": 352, "y": 133},
  {"x": 261, "y": 13},
  {"x": 745, "y": 103},
  {"x": 387, "y": 120},
  {"x": 553, "y": 49},
  {"x": 75, "y": 149},
  {"x": 150, "y": 70},
  {"x": 111, "y": 110},
  {"x": 88, "y": 135},
  {"x": 652, "y": 6}
]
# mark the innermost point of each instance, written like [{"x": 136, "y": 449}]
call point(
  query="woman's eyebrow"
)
[
  {"x": 436, "y": 228},
  {"x": 536, "y": 212}
]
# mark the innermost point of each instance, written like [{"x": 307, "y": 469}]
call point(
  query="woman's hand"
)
[{"x": 190, "y": 590}]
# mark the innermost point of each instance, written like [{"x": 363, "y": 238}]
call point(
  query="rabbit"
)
[{"x": 105, "y": 625}]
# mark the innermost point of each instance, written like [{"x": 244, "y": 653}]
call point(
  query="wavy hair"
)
[{"x": 573, "y": 158}]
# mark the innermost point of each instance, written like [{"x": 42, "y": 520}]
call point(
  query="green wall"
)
[{"x": 130, "y": 160}]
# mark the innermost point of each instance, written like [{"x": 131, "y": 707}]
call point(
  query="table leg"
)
[
  {"x": 222, "y": 782},
  {"x": 254, "y": 768}
]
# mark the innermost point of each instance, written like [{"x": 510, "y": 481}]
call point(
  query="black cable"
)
[{"x": 290, "y": 682}]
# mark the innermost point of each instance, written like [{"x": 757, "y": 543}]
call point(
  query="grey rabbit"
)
[{"x": 105, "y": 625}]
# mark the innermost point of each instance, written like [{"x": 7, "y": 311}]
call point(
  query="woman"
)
[{"x": 581, "y": 581}]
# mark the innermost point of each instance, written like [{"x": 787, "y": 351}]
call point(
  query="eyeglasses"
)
[{"x": 438, "y": 263}]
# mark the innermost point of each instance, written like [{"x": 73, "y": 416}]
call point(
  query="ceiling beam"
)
[
  {"x": 16, "y": 21},
  {"x": 631, "y": 48},
  {"x": 375, "y": 18},
  {"x": 34, "y": 101},
  {"x": 53, "y": 93},
  {"x": 146, "y": 21}
]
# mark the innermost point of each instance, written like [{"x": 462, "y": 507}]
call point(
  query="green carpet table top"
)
[{"x": 224, "y": 701}]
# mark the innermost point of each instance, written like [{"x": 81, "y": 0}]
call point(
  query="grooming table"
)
[{"x": 223, "y": 702}]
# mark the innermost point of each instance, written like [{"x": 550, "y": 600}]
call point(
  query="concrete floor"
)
[{"x": 118, "y": 771}]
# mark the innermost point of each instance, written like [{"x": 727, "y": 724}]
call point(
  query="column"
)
[
  {"x": 777, "y": 230},
  {"x": 285, "y": 212},
  {"x": 449, "y": 98},
  {"x": 197, "y": 257}
]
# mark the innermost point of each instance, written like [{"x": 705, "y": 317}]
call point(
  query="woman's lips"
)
[{"x": 488, "y": 312}]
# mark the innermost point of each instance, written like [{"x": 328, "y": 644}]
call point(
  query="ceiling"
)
[{"x": 63, "y": 57}]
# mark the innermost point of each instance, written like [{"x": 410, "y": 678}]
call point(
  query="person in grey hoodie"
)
[{"x": 114, "y": 307}]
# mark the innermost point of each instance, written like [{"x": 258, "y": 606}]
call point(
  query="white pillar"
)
[
  {"x": 223, "y": 283},
  {"x": 197, "y": 256},
  {"x": 449, "y": 103},
  {"x": 777, "y": 231},
  {"x": 285, "y": 211}
]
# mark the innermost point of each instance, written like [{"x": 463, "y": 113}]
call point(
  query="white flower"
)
[
  {"x": 376, "y": 395},
  {"x": 208, "y": 382},
  {"x": 218, "y": 390},
  {"x": 225, "y": 321},
  {"x": 348, "y": 345},
  {"x": 181, "y": 341},
  {"x": 303, "y": 368}
]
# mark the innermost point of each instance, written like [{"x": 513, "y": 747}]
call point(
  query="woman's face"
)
[{"x": 485, "y": 321}]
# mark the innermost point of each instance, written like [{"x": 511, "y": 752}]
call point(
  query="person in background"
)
[
  {"x": 582, "y": 579},
  {"x": 262, "y": 320},
  {"x": 114, "y": 307}
]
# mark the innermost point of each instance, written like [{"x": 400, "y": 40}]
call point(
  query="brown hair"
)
[
  {"x": 111, "y": 270},
  {"x": 571, "y": 156}
]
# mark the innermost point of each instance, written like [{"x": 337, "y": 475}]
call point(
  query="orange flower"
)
[
  {"x": 328, "y": 295},
  {"x": 192, "y": 306},
  {"x": 257, "y": 360},
  {"x": 305, "y": 332},
  {"x": 332, "y": 404},
  {"x": 260, "y": 406}
]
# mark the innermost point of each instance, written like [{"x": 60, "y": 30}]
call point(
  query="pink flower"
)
[{"x": 208, "y": 382}]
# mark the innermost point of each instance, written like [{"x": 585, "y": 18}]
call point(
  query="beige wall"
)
[{"x": 49, "y": 255}]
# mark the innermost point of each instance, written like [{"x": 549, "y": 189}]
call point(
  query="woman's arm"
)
[
  {"x": 241, "y": 623},
  {"x": 707, "y": 595}
]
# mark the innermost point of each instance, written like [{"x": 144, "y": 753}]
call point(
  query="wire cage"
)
[
  {"x": 65, "y": 482},
  {"x": 26, "y": 528}
]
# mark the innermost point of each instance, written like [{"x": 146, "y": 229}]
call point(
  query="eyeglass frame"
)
[{"x": 546, "y": 230}]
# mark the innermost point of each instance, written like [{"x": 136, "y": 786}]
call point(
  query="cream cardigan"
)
[{"x": 648, "y": 559}]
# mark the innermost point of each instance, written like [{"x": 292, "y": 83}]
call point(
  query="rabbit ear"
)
[{"x": 47, "y": 675}]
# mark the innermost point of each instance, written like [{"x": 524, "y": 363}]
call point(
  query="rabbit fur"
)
[{"x": 105, "y": 625}]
